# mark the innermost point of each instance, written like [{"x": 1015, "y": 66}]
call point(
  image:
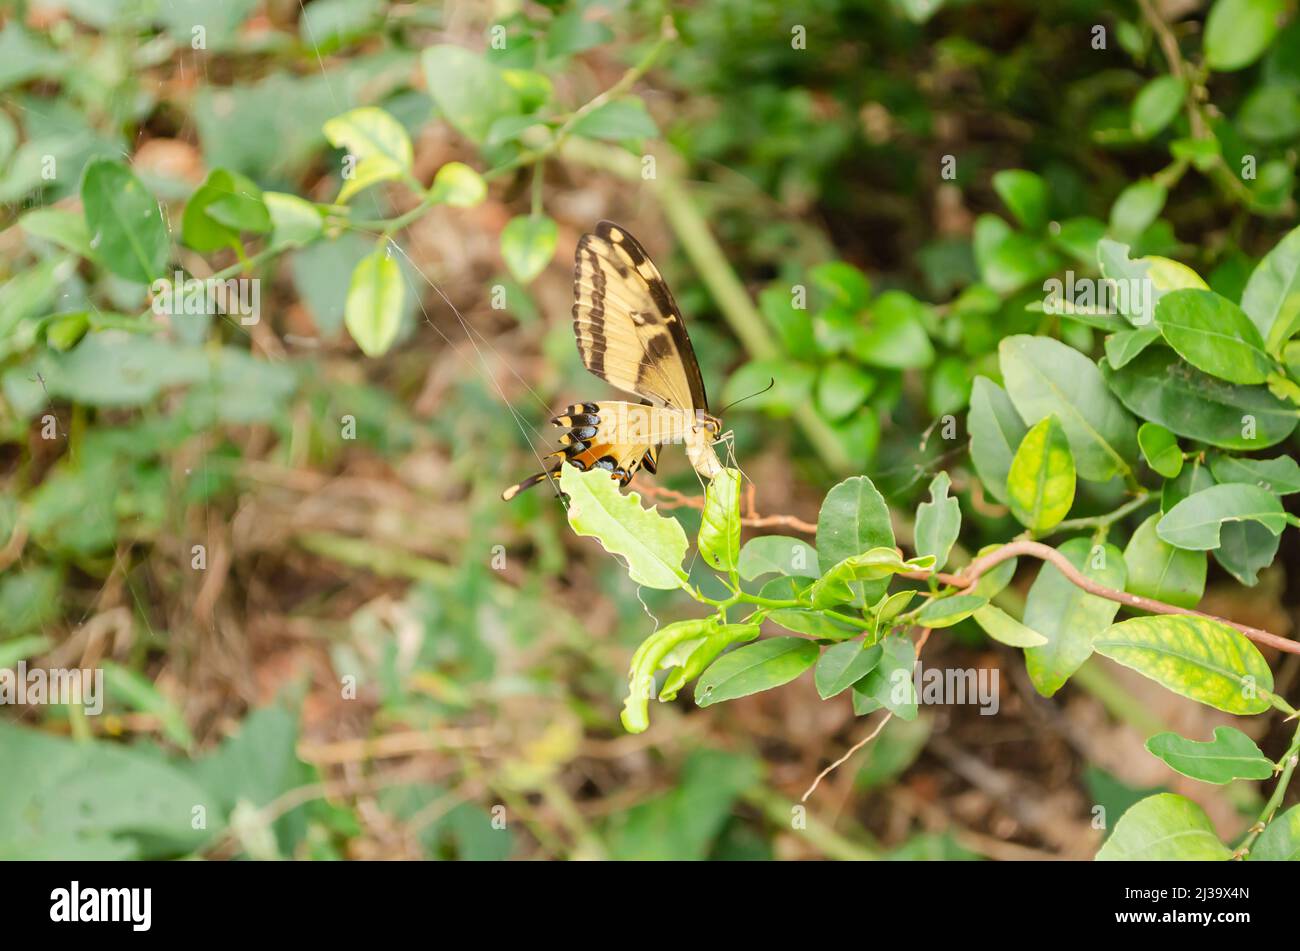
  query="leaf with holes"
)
[
  {"x": 754, "y": 668},
  {"x": 651, "y": 545}
]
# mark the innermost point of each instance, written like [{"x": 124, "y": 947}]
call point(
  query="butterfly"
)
[{"x": 630, "y": 333}]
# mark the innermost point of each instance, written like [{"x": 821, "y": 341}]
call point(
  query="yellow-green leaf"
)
[
  {"x": 651, "y": 545},
  {"x": 650, "y": 657},
  {"x": 373, "y": 310},
  {"x": 1164, "y": 828},
  {"x": 1196, "y": 657},
  {"x": 719, "y": 538},
  {"x": 458, "y": 185},
  {"x": 376, "y": 140},
  {"x": 1001, "y": 626},
  {"x": 1040, "y": 484}
]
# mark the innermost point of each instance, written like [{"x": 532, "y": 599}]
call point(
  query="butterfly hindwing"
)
[
  {"x": 617, "y": 437},
  {"x": 629, "y": 330}
]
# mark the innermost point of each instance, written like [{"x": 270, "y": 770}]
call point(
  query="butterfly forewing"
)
[
  {"x": 627, "y": 325},
  {"x": 630, "y": 334}
]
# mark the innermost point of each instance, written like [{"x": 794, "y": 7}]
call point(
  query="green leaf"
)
[
  {"x": 469, "y": 91},
  {"x": 1194, "y": 522},
  {"x": 1045, "y": 377},
  {"x": 1272, "y": 295},
  {"x": 223, "y": 206},
  {"x": 778, "y": 553},
  {"x": 294, "y": 221},
  {"x": 140, "y": 694},
  {"x": 66, "y": 330},
  {"x": 892, "y": 605},
  {"x": 650, "y": 657},
  {"x": 1009, "y": 260},
  {"x": 65, "y": 228},
  {"x": 1280, "y": 475},
  {"x": 528, "y": 244},
  {"x": 1194, "y": 477},
  {"x": 652, "y": 545},
  {"x": 945, "y": 612},
  {"x": 1068, "y": 616},
  {"x": 1238, "y": 31},
  {"x": 1122, "y": 347},
  {"x": 1040, "y": 485},
  {"x": 67, "y": 799},
  {"x": 569, "y": 33},
  {"x": 996, "y": 429},
  {"x": 239, "y": 204},
  {"x": 1002, "y": 627},
  {"x": 1136, "y": 208},
  {"x": 874, "y": 565},
  {"x": 373, "y": 312},
  {"x": 1230, "y": 755},
  {"x": 720, "y": 525},
  {"x": 894, "y": 335},
  {"x": 938, "y": 522},
  {"x": 1214, "y": 335},
  {"x": 377, "y": 141},
  {"x": 854, "y": 519},
  {"x": 704, "y": 654},
  {"x": 890, "y": 684},
  {"x": 843, "y": 665},
  {"x": 1159, "y": 387},
  {"x": 1280, "y": 840},
  {"x": 1164, "y": 828},
  {"x": 457, "y": 185},
  {"x": 813, "y": 623},
  {"x": 842, "y": 387},
  {"x": 1160, "y": 449},
  {"x": 1162, "y": 572},
  {"x": 1195, "y": 657},
  {"x": 124, "y": 221},
  {"x": 22, "y": 648},
  {"x": 618, "y": 121},
  {"x": 754, "y": 668},
  {"x": 1244, "y": 549},
  {"x": 1156, "y": 106},
  {"x": 1025, "y": 194}
]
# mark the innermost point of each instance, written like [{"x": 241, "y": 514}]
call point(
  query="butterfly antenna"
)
[{"x": 771, "y": 383}]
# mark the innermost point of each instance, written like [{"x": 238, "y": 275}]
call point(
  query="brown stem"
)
[
  {"x": 672, "y": 499},
  {"x": 972, "y": 573}
]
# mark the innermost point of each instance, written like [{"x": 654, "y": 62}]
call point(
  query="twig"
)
[
  {"x": 1289, "y": 760},
  {"x": 972, "y": 573},
  {"x": 672, "y": 499},
  {"x": 847, "y": 756}
]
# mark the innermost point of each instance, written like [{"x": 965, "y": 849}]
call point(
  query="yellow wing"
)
[{"x": 629, "y": 330}]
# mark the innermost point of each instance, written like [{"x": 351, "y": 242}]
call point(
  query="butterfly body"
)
[{"x": 630, "y": 333}]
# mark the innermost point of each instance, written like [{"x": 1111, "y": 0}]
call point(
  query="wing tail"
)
[{"x": 528, "y": 483}]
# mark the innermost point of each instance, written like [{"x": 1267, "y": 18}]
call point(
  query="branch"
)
[
  {"x": 672, "y": 499},
  {"x": 977, "y": 568}
]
